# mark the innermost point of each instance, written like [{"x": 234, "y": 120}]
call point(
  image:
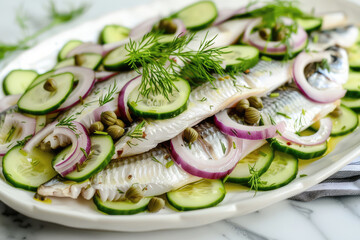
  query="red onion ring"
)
[
  {"x": 96, "y": 114},
  {"x": 232, "y": 128},
  {"x": 38, "y": 137},
  {"x": 204, "y": 168},
  {"x": 124, "y": 95},
  {"x": 80, "y": 140},
  {"x": 251, "y": 25},
  {"x": 180, "y": 27},
  {"x": 17, "y": 120},
  {"x": 104, "y": 75},
  {"x": 143, "y": 28},
  {"x": 87, "y": 47},
  {"x": 86, "y": 79},
  {"x": 9, "y": 101},
  {"x": 319, "y": 137},
  {"x": 323, "y": 95}
]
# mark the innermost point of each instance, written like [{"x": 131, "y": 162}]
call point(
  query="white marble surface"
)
[{"x": 327, "y": 218}]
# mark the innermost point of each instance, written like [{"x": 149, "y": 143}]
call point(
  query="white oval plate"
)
[{"x": 83, "y": 214}]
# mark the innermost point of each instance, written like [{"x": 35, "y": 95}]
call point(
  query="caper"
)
[
  {"x": 242, "y": 105},
  {"x": 168, "y": 26},
  {"x": 96, "y": 127},
  {"x": 156, "y": 204},
  {"x": 265, "y": 33},
  {"x": 190, "y": 135},
  {"x": 120, "y": 123},
  {"x": 255, "y": 102},
  {"x": 115, "y": 131},
  {"x": 79, "y": 59},
  {"x": 252, "y": 115},
  {"x": 337, "y": 112},
  {"x": 50, "y": 85},
  {"x": 134, "y": 194},
  {"x": 108, "y": 118}
]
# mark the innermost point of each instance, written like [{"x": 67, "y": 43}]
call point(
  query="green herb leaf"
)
[
  {"x": 223, "y": 147},
  {"x": 68, "y": 122},
  {"x": 109, "y": 96},
  {"x": 169, "y": 164}
]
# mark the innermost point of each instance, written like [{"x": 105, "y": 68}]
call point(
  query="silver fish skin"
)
[
  {"x": 343, "y": 36},
  {"x": 205, "y": 101},
  {"x": 152, "y": 171}
]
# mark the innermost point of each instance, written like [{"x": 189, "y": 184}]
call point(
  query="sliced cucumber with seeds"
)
[
  {"x": 299, "y": 151},
  {"x": 259, "y": 160},
  {"x": 67, "y": 62},
  {"x": 88, "y": 60},
  {"x": 121, "y": 207},
  {"x": 352, "y": 103},
  {"x": 70, "y": 45},
  {"x": 116, "y": 59},
  {"x": 157, "y": 106},
  {"x": 40, "y": 79},
  {"x": 202, "y": 194},
  {"x": 102, "y": 149},
  {"x": 283, "y": 169},
  {"x": 343, "y": 124},
  {"x": 113, "y": 33},
  {"x": 353, "y": 85},
  {"x": 27, "y": 171},
  {"x": 240, "y": 58},
  {"x": 310, "y": 24},
  {"x": 354, "y": 56},
  {"x": 17, "y": 81},
  {"x": 198, "y": 15},
  {"x": 39, "y": 101}
]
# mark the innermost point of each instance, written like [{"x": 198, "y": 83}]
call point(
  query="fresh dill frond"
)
[
  {"x": 138, "y": 132},
  {"x": 68, "y": 122},
  {"x": 223, "y": 147},
  {"x": 155, "y": 160},
  {"x": 254, "y": 180},
  {"x": 283, "y": 114},
  {"x": 22, "y": 142},
  {"x": 109, "y": 96}
]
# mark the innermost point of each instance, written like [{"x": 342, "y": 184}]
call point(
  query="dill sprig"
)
[
  {"x": 56, "y": 18},
  {"x": 156, "y": 62},
  {"x": 138, "y": 131},
  {"x": 68, "y": 122},
  {"x": 254, "y": 180},
  {"x": 109, "y": 96}
]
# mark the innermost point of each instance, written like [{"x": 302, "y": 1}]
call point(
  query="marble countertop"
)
[{"x": 327, "y": 218}]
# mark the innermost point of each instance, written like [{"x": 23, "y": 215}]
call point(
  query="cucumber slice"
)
[
  {"x": 240, "y": 58},
  {"x": 113, "y": 33},
  {"x": 121, "y": 207},
  {"x": 70, "y": 45},
  {"x": 202, "y": 194},
  {"x": 282, "y": 170},
  {"x": 260, "y": 160},
  {"x": 27, "y": 171},
  {"x": 102, "y": 149},
  {"x": 40, "y": 78},
  {"x": 38, "y": 101},
  {"x": 343, "y": 124},
  {"x": 281, "y": 55},
  {"x": 88, "y": 60},
  {"x": 116, "y": 59},
  {"x": 157, "y": 106},
  {"x": 65, "y": 63},
  {"x": 17, "y": 81},
  {"x": 299, "y": 151},
  {"x": 352, "y": 103},
  {"x": 310, "y": 24},
  {"x": 354, "y": 56},
  {"x": 198, "y": 15},
  {"x": 353, "y": 85}
]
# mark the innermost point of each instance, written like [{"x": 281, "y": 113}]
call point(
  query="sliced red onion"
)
[
  {"x": 232, "y": 128},
  {"x": 38, "y": 137},
  {"x": 143, "y": 28},
  {"x": 80, "y": 149},
  {"x": 86, "y": 78},
  {"x": 8, "y": 101},
  {"x": 297, "y": 42},
  {"x": 24, "y": 127},
  {"x": 123, "y": 97},
  {"x": 317, "y": 95},
  {"x": 319, "y": 137},
  {"x": 87, "y": 47},
  {"x": 251, "y": 25},
  {"x": 180, "y": 27},
  {"x": 96, "y": 114},
  {"x": 104, "y": 75},
  {"x": 211, "y": 169}
]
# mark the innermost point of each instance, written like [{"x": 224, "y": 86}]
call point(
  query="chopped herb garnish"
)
[
  {"x": 109, "y": 96},
  {"x": 303, "y": 175},
  {"x": 68, "y": 122},
  {"x": 223, "y": 147},
  {"x": 204, "y": 99},
  {"x": 262, "y": 154},
  {"x": 211, "y": 106},
  {"x": 119, "y": 191},
  {"x": 155, "y": 160},
  {"x": 283, "y": 114},
  {"x": 274, "y": 95},
  {"x": 23, "y": 142},
  {"x": 137, "y": 132},
  {"x": 169, "y": 164},
  {"x": 265, "y": 58},
  {"x": 277, "y": 131},
  {"x": 234, "y": 145},
  {"x": 84, "y": 152},
  {"x": 255, "y": 180},
  {"x": 272, "y": 120},
  {"x": 100, "y": 133}
]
